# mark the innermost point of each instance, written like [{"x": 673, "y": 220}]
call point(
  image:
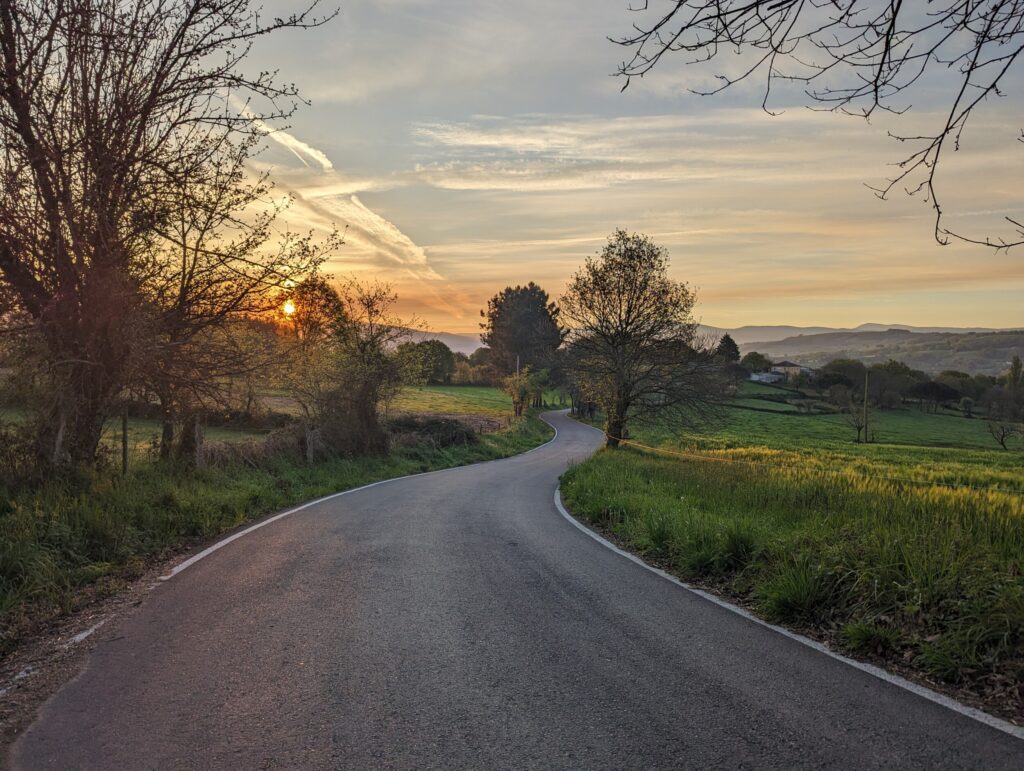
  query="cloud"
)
[
  {"x": 295, "y": 146},
  {"x": 544, "y": 153},
  {"x": 323, "y": 200},
  {"x": 300, "y": 149}
]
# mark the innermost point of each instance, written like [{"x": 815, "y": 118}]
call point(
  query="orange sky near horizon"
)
[{"x": 459, "y": 167}]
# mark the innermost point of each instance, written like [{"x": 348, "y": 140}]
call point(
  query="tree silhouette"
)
[
  {"x": 728, "y": 349},
  {"x": 633, "y": 340},
  {"x": 521, "y": 325}
]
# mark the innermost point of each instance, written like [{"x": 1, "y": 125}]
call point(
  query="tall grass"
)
[
  {"x": 930, "y": 574},
  {"x": 58, "y": 538}
]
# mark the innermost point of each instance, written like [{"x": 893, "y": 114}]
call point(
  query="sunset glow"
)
[{"x": 500, "y": 164}]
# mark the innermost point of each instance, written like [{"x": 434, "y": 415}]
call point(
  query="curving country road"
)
[{"x": 457, "y": 620}]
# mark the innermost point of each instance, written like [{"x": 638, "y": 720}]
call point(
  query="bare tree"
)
[
  {"x": 633, "y": 346},
  {"x": 106, "y": 108},
  {"x": 214, "y": 273},
  {"x": 857, "y": 415},
  {"x": 344, "y": 367},
  {"x": 1003, "y": 418},
  {"x": 1002, "y": 431},
  {"x": 858, "y": 57}
]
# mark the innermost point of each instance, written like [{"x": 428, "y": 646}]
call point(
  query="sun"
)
[{"x": 288, "y": 308}]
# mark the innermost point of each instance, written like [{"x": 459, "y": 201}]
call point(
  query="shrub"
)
[
  {"x": 870, "y": 638},
  {"x": 435, "y": 432},
  {"x": 798, "y": 592}
]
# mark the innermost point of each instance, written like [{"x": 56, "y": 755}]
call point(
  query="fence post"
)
[{"x": 124, "y": 439}]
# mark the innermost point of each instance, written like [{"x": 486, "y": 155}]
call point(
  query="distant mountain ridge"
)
[
  {"x": 772, "y": 333},
  {"x": 459, "y": 343},
  {"x": 932, "y": 349},
  {"x": 988, "y": 352}
]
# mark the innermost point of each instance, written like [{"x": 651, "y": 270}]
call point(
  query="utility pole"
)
[
  {"x": 866, "y": 439},
  {"x": 517, "y": 365}
]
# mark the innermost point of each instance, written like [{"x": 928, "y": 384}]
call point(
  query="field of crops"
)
[{"x": 910, "y": 549}]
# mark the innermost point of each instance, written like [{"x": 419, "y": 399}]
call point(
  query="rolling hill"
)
[
  {"x": 988, "y": 352},
  {"x": 774, "y": 333}
]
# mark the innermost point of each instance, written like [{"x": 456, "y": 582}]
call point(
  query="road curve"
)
[{"x": 457, "y": 620}]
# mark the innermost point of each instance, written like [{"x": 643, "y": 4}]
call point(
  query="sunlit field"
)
[
  {"x": 458, "y": 400},
  {"x": 910, "y": 548}
]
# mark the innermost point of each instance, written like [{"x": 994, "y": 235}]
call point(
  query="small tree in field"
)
[
  {"x": 519, "y": 387},
  {"x": 1003, "y": 419},
  {"x": 857, "y": 416},
  {"x": 633, "y": 339}
]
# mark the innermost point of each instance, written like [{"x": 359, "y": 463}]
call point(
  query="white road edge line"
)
[
  {"x": 881, "y": 674},
  {"x": 270, "y": 520},
  {"x": 87, "y": 633}
]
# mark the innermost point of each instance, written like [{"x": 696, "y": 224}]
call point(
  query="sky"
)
[{"x": 467, "y": 146}]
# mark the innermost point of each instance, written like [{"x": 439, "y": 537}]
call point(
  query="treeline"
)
[
  {"x": 844, "y": 383},
  {"x": 622, "y": 339}
]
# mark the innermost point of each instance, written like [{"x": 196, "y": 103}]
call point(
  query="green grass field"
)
[
  {"x": 457, "y": 400},
  {"x": 906, "y": 443},
  {"x": 864, "y": 544}
]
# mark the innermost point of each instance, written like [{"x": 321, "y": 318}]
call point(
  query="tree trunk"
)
[
  {"x": 191, "y": 444},
  {"x": 72, "y": 430},
  {"x": 88, "y": 344},
  {"x": 166, "y": 426},
  {"x": 308, "y": 449},
  {"x": 613, "y": 427}
]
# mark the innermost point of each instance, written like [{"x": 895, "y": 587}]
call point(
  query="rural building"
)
[
  {"x": 767, "y": 377},
  {"x": 790, "y": 370}
]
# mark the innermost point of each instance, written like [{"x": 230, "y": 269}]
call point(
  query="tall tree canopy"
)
[
  {"x": 521, "y": 322},
  {"x": 756, "y": 362},
  {"x": 124, "y": 126},
  {"x": 633, "y": 346}
]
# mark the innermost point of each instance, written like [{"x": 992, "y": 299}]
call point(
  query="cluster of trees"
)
[
  {"x": 342, "y": 357},
  {"x": 140, "y": 257},
  {"x": 891, "y": 385},
  {"x": 621, "y": 339}
]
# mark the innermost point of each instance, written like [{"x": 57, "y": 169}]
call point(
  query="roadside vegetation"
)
[
  {"x": 908, "y": 549},
  {"x": 103, "y": 528},
  {"x": 173, "y": 361}
]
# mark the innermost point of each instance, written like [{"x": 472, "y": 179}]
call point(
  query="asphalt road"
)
[{"x": 457, "y": 620}]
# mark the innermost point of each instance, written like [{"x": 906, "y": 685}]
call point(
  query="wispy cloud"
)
[
  {"x": 324, "y": 200},
  {"x": 539, "y": 153}
]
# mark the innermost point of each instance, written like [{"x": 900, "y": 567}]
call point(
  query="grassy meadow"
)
[
  {"x": 102, "y": 530},
  {"x": 456, "y": 400},
  {"x": 909, "y": 549}
]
